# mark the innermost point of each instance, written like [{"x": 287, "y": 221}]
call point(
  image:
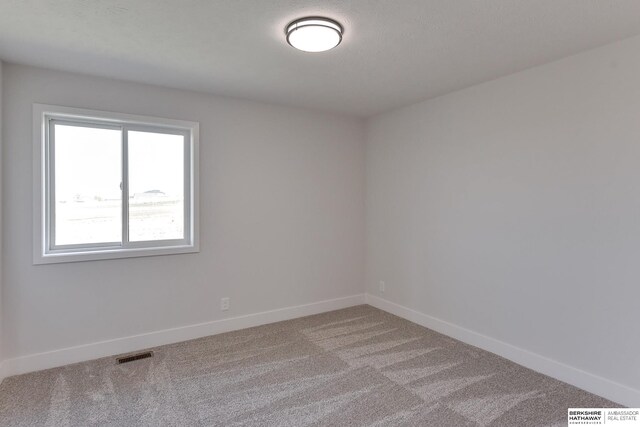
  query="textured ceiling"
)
[{"x": 394, "y": 52}]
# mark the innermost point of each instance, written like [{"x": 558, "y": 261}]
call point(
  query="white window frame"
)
[{"x": 44, "y": 252}]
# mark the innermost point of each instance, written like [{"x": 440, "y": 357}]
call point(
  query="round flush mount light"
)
[{"x": 314, "y": 34}]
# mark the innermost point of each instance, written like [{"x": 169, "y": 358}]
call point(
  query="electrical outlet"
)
[
  {"x": 382, "y": 286},
  {"x": 224, "y": 303}
]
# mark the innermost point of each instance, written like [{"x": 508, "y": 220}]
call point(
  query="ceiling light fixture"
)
[{"x": 314, "y": 34}]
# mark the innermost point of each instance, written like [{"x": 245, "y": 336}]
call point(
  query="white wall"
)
[
  {"x": 281, "y": 205},
  {"x": 512, "y": 209},
  {"x": 1, "y": 240}
]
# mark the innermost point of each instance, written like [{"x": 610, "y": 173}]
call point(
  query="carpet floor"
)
[{"x": 357, "y": 367}]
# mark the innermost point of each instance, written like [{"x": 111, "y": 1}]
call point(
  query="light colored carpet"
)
[{"x": 358, "y": 367}]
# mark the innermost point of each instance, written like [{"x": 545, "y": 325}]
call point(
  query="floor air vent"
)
[{"x": 133, "y": 357}]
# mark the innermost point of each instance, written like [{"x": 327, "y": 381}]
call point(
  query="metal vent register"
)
[{"x": 131, "y": 358}]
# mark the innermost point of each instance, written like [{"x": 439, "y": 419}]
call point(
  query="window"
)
[{"x": 112, "y": 185}]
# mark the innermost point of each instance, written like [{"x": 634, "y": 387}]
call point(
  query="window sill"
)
[{"x": 95, "y": 255}]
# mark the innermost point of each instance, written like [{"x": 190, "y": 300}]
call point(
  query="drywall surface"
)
[
  {"x": 281, "y": 208},
  {"x": 1, "y": 240},
  {"x": 512, "y": 209}
]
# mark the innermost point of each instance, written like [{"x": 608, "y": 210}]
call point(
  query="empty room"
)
[{"x": 319, "y": 213}]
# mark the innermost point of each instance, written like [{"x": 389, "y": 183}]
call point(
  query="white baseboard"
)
[
  {"x": 592, "y": 383},
  {"x": 81, "y": 353}
]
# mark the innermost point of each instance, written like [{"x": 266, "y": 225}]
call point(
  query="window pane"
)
[
  {"x": 88, "y": 200},
  {"x": 156, "y": 186}
]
